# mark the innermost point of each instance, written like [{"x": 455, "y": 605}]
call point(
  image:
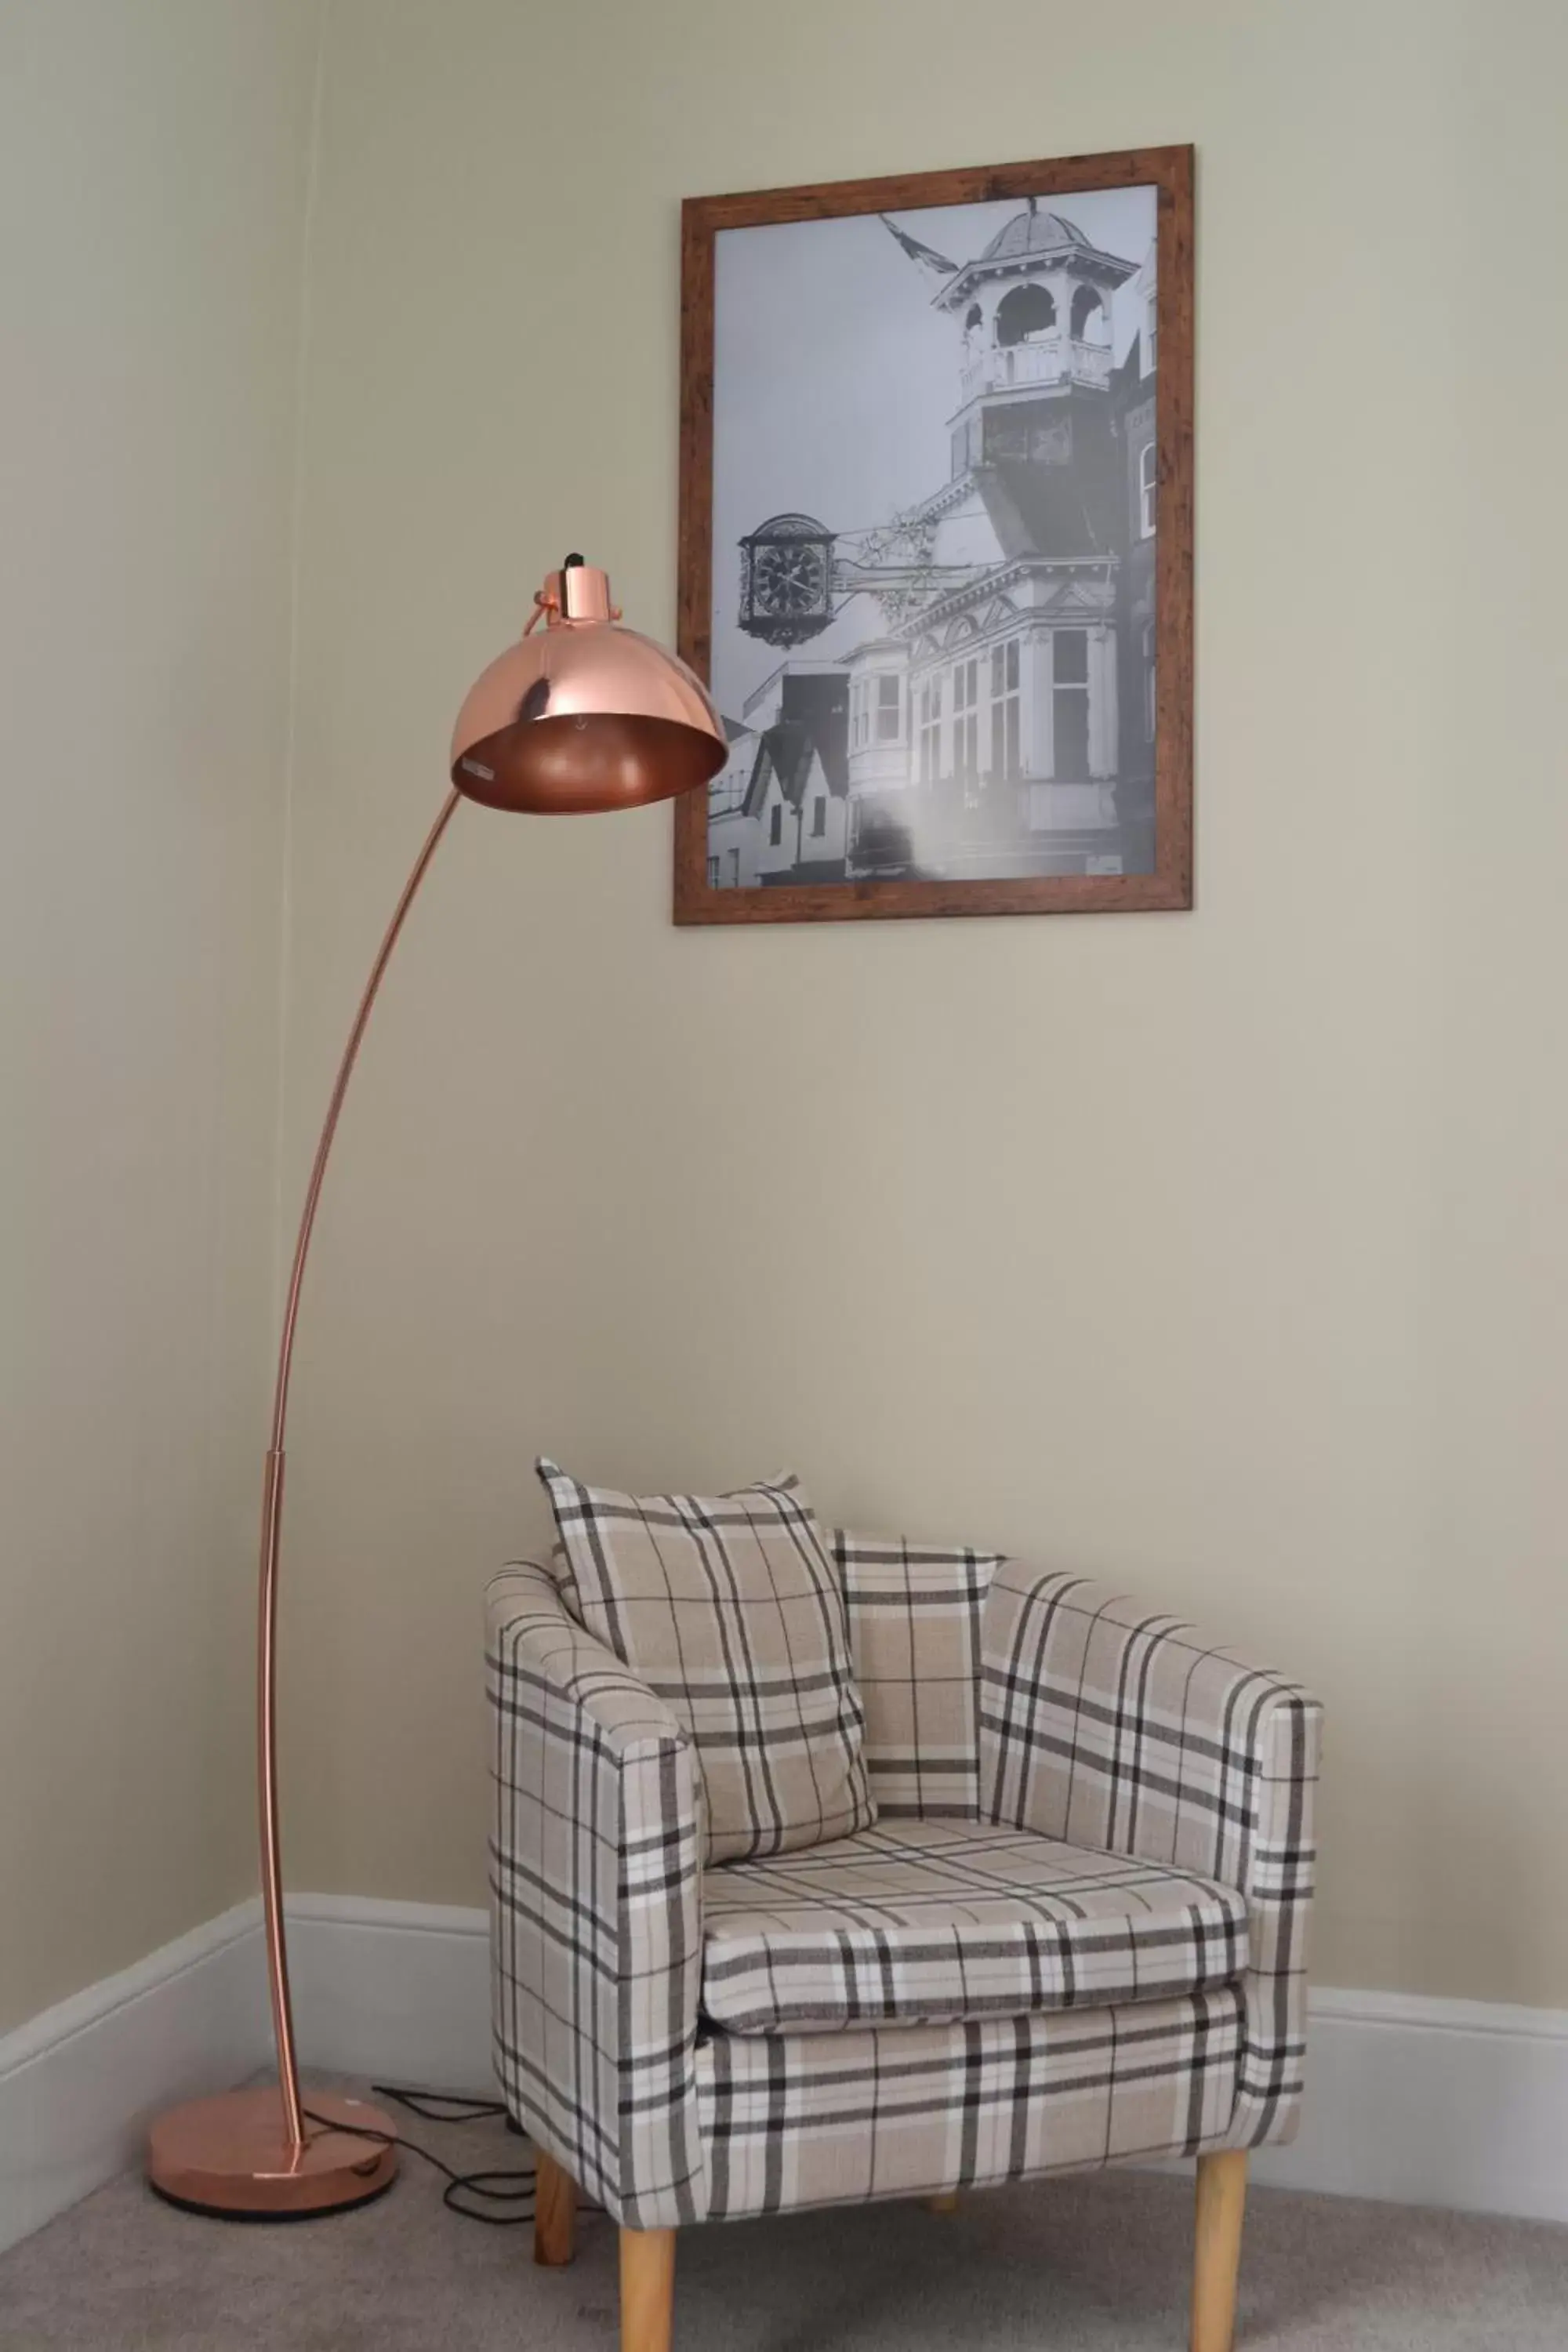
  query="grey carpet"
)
[{"x": 1088, "y": 2264}]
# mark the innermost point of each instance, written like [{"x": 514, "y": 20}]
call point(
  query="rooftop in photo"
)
[{"x": 1033, "y": 232}]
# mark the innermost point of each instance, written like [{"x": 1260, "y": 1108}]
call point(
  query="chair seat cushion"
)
[{"x": 919, "y": 1922}]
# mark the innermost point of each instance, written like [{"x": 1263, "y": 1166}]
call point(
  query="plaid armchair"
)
[{"x": 1075, "y": 1937}]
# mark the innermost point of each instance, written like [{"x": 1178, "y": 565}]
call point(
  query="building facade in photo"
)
[{"x": 997, "y": 717}]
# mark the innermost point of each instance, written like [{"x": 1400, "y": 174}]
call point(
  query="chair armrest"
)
[
  {"x": 1112, "y": 1725},
  {"x": 596, "y": 1877}
]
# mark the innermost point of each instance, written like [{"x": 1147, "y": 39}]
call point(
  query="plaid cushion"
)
[
  {"x": 918, "y": 1921},
  {"x": 595, "y": 1869},
  {"x": 914, "y": 1625},
  {"x": 730, "y": 1610},
  {"x": 838, "y": 2118},
  {"x": 1108, "y": 1725}
]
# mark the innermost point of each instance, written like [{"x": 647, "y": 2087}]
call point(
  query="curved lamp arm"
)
[
  {"x": 576, "y": 717},
  {"x": 272, "y": 1518}
]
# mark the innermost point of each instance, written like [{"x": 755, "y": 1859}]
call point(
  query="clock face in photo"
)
[
  {"x": 787, "y": 575},
  {"x": 789, "y": 578}
]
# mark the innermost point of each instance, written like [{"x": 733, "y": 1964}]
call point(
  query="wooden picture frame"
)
[{"x": 1037, "y": 374}]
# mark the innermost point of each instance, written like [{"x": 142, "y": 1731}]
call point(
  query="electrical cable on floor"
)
[{"x": 512, "y": 2186}]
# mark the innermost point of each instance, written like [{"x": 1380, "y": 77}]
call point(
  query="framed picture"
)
[{"x": 936, "y": 542}]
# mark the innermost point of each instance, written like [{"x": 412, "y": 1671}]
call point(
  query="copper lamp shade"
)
[{"x": 586, "y": 715}]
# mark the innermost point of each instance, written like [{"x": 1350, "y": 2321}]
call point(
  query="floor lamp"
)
[{"x": 581, "y": 717}]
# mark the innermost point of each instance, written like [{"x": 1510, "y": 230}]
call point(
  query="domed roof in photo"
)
[{"x": 1033, "y": 232}]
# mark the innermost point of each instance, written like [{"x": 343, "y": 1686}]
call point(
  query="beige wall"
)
[
  {"x": 1223, "y": 1253},
  {"x": 153, "y": 172}
]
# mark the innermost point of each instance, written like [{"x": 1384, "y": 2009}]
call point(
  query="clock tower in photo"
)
[
  {"x": 1032, "y": 312},
  {"x": 1000, "y": 709}
]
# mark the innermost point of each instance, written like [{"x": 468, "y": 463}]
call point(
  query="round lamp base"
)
[{"x": 231, "y": 2157}]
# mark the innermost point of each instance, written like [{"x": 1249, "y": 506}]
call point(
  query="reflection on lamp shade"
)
[{"x": 584, "y": 714}]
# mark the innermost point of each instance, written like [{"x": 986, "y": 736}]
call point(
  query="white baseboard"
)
[
  {"x": 396, "y": 1991},
  {"x": 1455, "y": 2103},
  {"x": 1451, "y": 2102},
  {"x": 79, "y": 2084}
]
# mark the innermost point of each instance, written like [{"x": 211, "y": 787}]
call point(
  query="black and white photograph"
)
[{"x": 933, "y": 604}]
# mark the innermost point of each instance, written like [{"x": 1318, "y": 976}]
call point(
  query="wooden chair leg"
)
[
  {"x": 1221, "y": 2198},
  {"x": 647, "y": 2289},
  {"x": 554, "y": 2213}
]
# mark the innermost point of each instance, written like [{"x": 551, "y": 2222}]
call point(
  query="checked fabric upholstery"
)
[
  {"x": 730, "y": 1610},
  {"x": 923, "y": 1922},
  {"x": 914, "y": 1625},
  {"x": 1134, "y": 1764},
  {"x": 1114, "y": 1727}
]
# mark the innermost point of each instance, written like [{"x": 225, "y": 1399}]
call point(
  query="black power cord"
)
[{"x": 513, "y": 2187}]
